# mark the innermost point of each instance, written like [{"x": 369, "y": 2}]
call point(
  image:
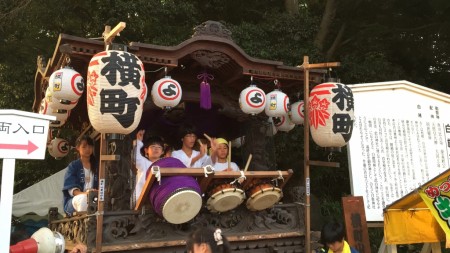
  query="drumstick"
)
[
  {"x": 248, "y": 162},
  {"x": 229, "y": 154},
  {"x": 207, "y": 137}
]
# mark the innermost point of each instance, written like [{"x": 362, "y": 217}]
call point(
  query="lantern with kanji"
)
[
  {"x": 115, "y": 91},
  {"x": 58, "y": 148},
  {"x": 66, "y": 84},
  {"x": 60, "y": 114},
  {"x": 252, "y": 100},
  {"x": 277, "y": 103},
  {"x": 297, "y": 113},
  {"x": 283, "y": 123},
  {"x": 166, "y": 93},
  {"x": 331, "y": 114}
]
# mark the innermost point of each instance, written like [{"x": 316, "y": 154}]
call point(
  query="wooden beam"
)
[
  {"x": 324, "y": 164},
  {"x": 109, "y": 35}
]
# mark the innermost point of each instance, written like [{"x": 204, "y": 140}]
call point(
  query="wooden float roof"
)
[{"x": 210, "y": 48}]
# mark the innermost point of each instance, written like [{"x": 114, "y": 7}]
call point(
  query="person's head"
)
[
  {"x": 168, "y": 149},
  {"x": 332, "y": 236},
  {"x": 153, "y": 148},
  {"x": 85, "y": 146},
  {"x": 188, "y": 136},
  {"x": 222, "y": 148},
  {"x": 207, "y": 240}
]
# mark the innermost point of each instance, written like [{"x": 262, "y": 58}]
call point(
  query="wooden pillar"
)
[{"x": 306, "y": 162}]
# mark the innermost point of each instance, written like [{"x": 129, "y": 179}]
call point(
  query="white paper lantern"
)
[
  {"x": 277, "y": 104},
  {"x": 283, "y": 123},
  {"x": 115, "y": 91},
  {"x": 58, "y": 148},
  {"x": 59, "y": 103},
  {"x": 273, "y": 129},
  {"x": 252, "y": 100},
  {"x": 331, "y": 114},
  {"x": 166, "y": 93},
  {"x": 238, "y": 142},
  {"x": 61, "y": 115},
  {"x": 297, "y": 113},
  {"x": 66, "y": 84}
]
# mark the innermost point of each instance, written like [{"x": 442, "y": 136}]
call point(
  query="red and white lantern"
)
[
  {"x": 66, "y": 84},
  {"x": 58, "y": 148},
  {"x": 116, "y": 91},
  {"x": 252, "y": 100},
  {"x": 283, "y": 123},
  {"x": 331, "y": 114},
  {"x": 297, "y": 113},
  {"x": 59, "y": 103},
  {"x": 61, "y": 115},
  {"x": 273, "y": 129},
  {"x": 277, "y": 104},
  {"x": 166, "y": 93}
]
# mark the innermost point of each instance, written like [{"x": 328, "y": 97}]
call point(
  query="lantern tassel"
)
[
  {"x": 205, "y": 90},
  {"x": 205, "y": 96}
]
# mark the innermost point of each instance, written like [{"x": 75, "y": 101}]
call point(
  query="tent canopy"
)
[
  {"x": 39, "y": 197},
  {"x": 409, "y": 220}
]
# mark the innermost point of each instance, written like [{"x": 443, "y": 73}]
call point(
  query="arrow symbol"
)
[{"x": 30, "y": 147}]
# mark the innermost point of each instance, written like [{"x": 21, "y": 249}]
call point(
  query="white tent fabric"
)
[{"x": 39, "y": 197}]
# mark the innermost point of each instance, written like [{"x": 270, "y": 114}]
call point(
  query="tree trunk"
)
[
  {"x": 327, "y": 21},
  {"x": 336, "y": 43},
  {"x": 291, "y": 6}
]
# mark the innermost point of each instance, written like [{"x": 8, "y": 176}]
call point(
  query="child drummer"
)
[{"x": 219, "y": 156}]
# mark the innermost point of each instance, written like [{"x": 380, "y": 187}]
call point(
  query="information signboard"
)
[{"x": 400, "y": 140}]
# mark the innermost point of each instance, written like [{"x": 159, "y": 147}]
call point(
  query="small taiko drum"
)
[
  {"x": 176, "y": 198},
  {"x": 224, "y": 197},
  {"x": 262, "y": 195}
]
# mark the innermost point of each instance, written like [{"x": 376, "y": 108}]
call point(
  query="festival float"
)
[{"x": 207, "y": 81}]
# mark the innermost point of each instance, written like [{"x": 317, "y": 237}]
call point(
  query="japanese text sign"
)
[
  {"x": 23, "y": 135},
  {"x": 437, "y": 197}
]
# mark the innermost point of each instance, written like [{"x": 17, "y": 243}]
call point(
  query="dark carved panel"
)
[
  {"x": 129, "y": 227},
  {"x": 210, "y": 59},
  {"x": 212, "y": 28}
]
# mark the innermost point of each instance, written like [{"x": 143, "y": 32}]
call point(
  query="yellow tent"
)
[{"x": 421, "y": 216}]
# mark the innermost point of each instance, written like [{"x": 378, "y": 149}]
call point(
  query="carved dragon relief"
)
[
  {"x": 127, "y": 228},
  {"x": 212, "y": 28},
  {"x": 210, "y": 59}
]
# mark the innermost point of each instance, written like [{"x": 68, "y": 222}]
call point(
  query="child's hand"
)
[{"x": 140, "y": 135}]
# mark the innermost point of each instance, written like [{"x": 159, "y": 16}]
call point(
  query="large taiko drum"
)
[
  {"x": 224, "y": 197},
  {"x": 176, "y": 198},
  {"x": 262, "y": 194}
]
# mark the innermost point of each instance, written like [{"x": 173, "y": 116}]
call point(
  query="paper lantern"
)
[
  {"x": 277, "y": 104},
  {"x": 58, "y": 148},
  {"x": 272, "y": 129},
  {"x": 59, "y": 103},
  {"x": 238, "y": 142},
  {"x": 252, "y": 100},
  {"x": 297, "y": 113},
  {"x": 283, "y": 123},
  {"x": 61, "y": 115},
  {"x": 66, "y": 84},
  {"x": 166, "y": 93},
  {"x": 116, "y": 91},
  {"x": 331, "y": 114}
]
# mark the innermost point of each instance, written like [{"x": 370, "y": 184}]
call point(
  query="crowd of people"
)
[{"x": 82, "y": 174}]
